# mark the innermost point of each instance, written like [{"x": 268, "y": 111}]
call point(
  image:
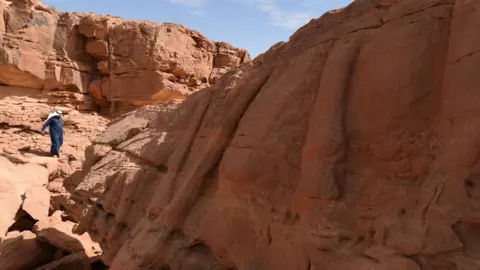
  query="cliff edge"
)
[{"x": 94, "y": 60}]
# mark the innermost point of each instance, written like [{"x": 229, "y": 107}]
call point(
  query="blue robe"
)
[{"x": 56, "y": 134}]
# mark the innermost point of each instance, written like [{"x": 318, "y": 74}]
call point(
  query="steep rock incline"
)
[
  {"x": 353, "y": 146},
  {"x": 84, "y": 55}
]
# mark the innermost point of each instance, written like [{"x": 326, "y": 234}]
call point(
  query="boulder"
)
[
  {"x": 21, "y": 250},
  {"x": 122, "y": 130},
  {"x": 10, "y": 202},
  {"x": 23, "y": 176},
  {"x": 22, "y": 186},
  {"x": 95, "y": 152},
  {"x": 51, "y": 164},
  {"x": 37, "y": 202},
  {"x": 60, "y": 234},
  {"x": 98, "y": 48},
  {"x": 75, "y": 261},
  {"x": 62, "y": 199}
]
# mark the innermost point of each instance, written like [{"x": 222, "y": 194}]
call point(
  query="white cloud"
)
[
  {"x": 311, "y": 3},
  {"x": 188, "y": 3},
  {"x": 278, "y": 16},
  {"x": 197, "y": 6},
  {"x": 199, "y": 12}
]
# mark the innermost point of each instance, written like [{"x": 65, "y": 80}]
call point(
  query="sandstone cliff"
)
[
  {"x": 75, "y": 62},
  {"x": 79, "y": 56},
  {"x": 354, "y": 145}
]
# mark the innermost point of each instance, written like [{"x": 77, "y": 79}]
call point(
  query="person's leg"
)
[
  {"x": 52, "y": 146},
  {"x": 58, "y": 150},
  {"x": 52, "y": 149},
  {"x": 60, "y": 143},
  {"x": 55, "y": 146}
]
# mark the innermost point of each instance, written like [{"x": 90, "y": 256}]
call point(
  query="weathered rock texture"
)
[
  {"x": 354, "y": 145},
  {"x": 60, "y": 234},
  {"x": 144, "y": 62},
  {"x": 78, "y": 56},
  {"x": 16, "y": 183},
  {"x": 24, "y": 207},
  {"x": 21, "y": 250}
]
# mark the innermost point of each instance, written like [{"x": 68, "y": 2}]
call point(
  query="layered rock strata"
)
[{"x": 93, "y": 60}]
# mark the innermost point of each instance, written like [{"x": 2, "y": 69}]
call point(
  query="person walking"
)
[{"x": 55, "y": 123}]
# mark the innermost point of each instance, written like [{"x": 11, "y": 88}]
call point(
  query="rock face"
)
[
  {"x": 354, "y": 145},
  {"x": 144, "y": 62},
  {"x": 41, "y": 49},
  {"x": 76, "y": 62},
  {"x": 77, "y": 56}
]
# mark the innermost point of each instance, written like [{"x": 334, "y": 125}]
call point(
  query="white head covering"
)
[{"x": 57, "y": 113}]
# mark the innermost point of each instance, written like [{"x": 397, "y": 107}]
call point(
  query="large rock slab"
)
[
  {"x": 21, "y": 250},
  {"x": 23, "y": 176},
  {"x": 76, "y": 261},
  {"x": 122, "y": 130},
  {"x": 60, "y": 234},
  {"x": 17, "y": 182},
  {"x": 37, "y": 202},
  {"x": 10, "y": 202}
]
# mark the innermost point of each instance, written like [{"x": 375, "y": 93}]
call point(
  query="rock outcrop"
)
[
  {"x": 60, "y": 234},
  {"x": 144, "y": 62},
  {"x": 29, "y": 236},
  {"x": 354, "y": 145},
  {"x": 21, "y": 250},
  {"x": 16, "y": 182},
  {"x": 76, "y": 63},
  {"x": 75, "y": 57}
]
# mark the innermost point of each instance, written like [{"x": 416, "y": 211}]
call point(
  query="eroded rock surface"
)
[
  {"x": 60, "y": 234},
  {"x": 90, "y": 60},
  {"x": 22, "y": 250},
  {"x": 29, "y": 236},
  {"x": 74, "y": 261},
  {"x": 78, "y": 63},
  {"x": 353, "y": 146}
]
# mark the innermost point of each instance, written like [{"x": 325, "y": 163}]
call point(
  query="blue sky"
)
[{"x": 251, "y": 24}]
